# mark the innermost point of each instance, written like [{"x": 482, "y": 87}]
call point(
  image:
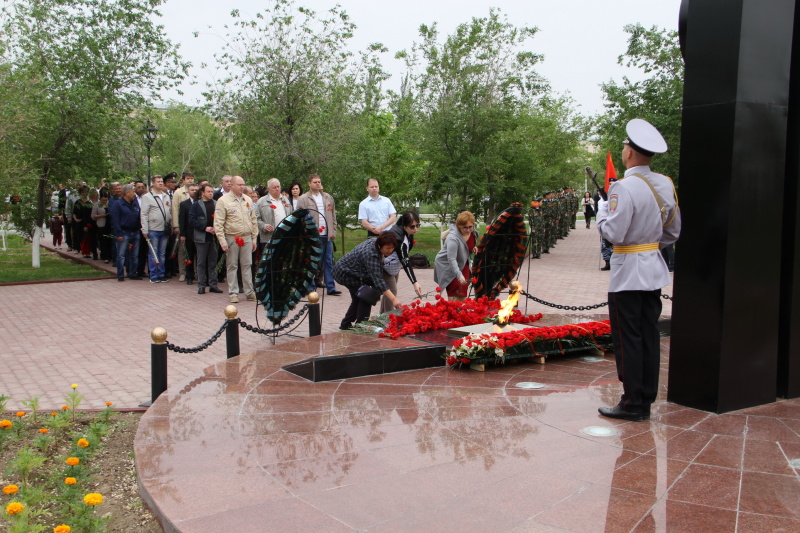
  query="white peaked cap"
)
[{"x": 645, "y": 136}]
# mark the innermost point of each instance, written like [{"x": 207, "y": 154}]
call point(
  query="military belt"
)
[{"x": 636, "y": 248}]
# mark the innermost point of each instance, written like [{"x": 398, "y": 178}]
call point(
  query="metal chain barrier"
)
[
  {"x": 203, "y": 346},
  {"x": 566, "y": 307},
  {"x": 288, "y": 323},
  {"x": 577, "y": 307}
]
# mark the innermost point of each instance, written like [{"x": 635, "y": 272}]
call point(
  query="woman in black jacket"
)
[
  {"x": 405, "y": 229},
  {"x": 363, "y": 266}
]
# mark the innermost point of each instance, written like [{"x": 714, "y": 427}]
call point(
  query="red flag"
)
[{"x": 610, "y": 172}]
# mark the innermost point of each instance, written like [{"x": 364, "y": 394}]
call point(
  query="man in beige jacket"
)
[{"x": 235, "y": 219}]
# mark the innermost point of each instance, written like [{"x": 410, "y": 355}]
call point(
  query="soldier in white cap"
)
[{"x": 640, "y": 217}]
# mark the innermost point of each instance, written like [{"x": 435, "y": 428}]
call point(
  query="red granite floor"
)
[
  {"x": 241, "y": 445},
  {"x": 246, "y": 446}
]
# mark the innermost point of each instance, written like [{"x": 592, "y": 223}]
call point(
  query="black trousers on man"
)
[{"x": 637, "y": 345}]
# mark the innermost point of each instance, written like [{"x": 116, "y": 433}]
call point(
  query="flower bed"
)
[
  {"x": 447, "y": 314},
  {"x": 497, "y": 347}
]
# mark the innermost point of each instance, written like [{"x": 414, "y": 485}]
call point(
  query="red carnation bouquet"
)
[{"x": 447, "y": 314}]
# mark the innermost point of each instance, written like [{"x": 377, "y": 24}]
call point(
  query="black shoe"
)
[
  {"x": 215, "y": 290},
  {"x": 138, "y": 278},
  {"x": 607, "y": 267},
  {"x": 334, "y": 293},
  {"x": 163, "y": 280},
  {"x": 190, "y": 281},
  {"x": 154, "y": 280},
  {"x": 345, "y": 327},
  {"x": 202, "y": 290},
  {"x": 621, "y": 414},
  {"x": 120, "y": 279}
]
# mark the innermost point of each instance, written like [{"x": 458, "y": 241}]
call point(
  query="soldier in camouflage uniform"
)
[
  {"x": 574, "y": 207},
  {"x": 550, "y": 212},
  {"x": 536, "y": 220}
]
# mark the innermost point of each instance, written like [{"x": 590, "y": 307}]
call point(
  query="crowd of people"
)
[{"x": 179, "y": 228}]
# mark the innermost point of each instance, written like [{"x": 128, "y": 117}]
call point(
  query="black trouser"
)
[
  {"x": 359, "y": 310},
  {"x": 144, "y": 250},
  {"x": 634, "y": 331}
]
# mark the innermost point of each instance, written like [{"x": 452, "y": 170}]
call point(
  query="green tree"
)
[
  {"x": 468, "y": 91},
  {"x": 189, "y": 141},
  {"x": 658, "y": 98},
  {"x": 286, "y": 95},
  {"x": 88, "y": 64}
]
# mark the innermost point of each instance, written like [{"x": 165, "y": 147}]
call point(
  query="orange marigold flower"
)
[
  {"x": 5, "y": 424},
  {"x": 70, "y": 480},
  {"x": 93, "y": 498},
  {"x": 65, "y": 407},
  {"x": 20, "y": 413},
  {"x": 54, "y": 413},
  {"x": 109, "y": 404},
  {"x": 73, "y": 461},
  {"x": 83, "y": 443},
  {"x": 63, "y": 528},
  {"x": 44, "y": 430},
  {"x": 10, "y": 489},
  {"x": 14, "y": 508}
]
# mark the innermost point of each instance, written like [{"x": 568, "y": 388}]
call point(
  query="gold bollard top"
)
[
  {"x": 231, "y": 312},
  {"x": 313, "y": 297},
  {"x": 159, "y": 335},
  {"x": 515, "y": 286}
]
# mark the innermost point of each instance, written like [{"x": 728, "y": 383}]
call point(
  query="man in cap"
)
[{"x": 640, "y": 217}]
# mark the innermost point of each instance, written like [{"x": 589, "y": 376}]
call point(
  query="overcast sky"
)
[{"x": 580, "y": 39}]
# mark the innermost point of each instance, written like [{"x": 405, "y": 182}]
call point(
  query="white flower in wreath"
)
[{"x": 498, "y": 352}]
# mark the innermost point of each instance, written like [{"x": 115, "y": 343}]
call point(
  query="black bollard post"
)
[
  {"x": 158, "y": 365},
  {"x": 314, "y": 319},
  {"x": 232, "y": 331}
]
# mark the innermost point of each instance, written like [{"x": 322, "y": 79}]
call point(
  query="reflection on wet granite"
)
[{"x": 407, "y": 451}]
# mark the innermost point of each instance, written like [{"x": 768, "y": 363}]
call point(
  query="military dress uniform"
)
[{"x": 640, "y": 217}]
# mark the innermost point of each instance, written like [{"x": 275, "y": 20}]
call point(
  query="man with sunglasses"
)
[{"x": 640, "y": 217}]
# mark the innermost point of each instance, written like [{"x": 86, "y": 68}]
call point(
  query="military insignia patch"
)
[{"x": 613, "y": 200}]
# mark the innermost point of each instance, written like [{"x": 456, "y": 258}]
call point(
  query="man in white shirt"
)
[{"x": 376, "y": 213}]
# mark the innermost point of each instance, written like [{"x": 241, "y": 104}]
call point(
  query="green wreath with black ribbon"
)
[
  {"x": 288, "y": 265},
  {"x": 500, "y": 252}
]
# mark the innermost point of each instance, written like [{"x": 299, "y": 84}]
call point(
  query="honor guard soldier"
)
[{"x": 640, "y": 217}]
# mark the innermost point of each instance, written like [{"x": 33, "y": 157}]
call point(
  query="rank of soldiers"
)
[{"x": 551, "y": 217}]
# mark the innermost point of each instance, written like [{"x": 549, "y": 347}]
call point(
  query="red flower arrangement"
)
[
  {"x": 321, "y": 229},
  {"x": 239, "y": 241},
  {"x": 498, "y": 345},
  {"x": 446, "y": 314}
]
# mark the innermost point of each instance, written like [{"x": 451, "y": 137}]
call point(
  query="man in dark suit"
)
[{"x": 187, "y": 231}]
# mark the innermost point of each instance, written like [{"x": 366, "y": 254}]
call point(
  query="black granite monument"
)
[{"x": 736, "y": 316}]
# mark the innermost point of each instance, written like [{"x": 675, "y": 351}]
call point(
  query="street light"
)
[{"x": 148, "y": 136}]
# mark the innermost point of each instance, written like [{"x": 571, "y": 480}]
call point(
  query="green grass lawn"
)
[
  {"x": 15, "y": 264},
  {"x": 427, "y": 238}
]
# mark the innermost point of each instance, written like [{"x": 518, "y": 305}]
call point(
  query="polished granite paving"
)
[{"x": 246, "y": 446}]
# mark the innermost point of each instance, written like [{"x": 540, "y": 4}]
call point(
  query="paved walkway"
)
[{"x": 97, "y": 333}]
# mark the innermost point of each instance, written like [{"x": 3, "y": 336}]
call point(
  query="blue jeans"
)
[
  {"x": 158, "y": 239},
  {"x": 128, "y": 253},
  {"x": 327, "y": 261}
]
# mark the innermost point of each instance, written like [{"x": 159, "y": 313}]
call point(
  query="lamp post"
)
[{"x": 148, "y": 136}]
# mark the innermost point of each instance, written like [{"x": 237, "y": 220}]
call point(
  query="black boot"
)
[{"x": 607, "y": 267}]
